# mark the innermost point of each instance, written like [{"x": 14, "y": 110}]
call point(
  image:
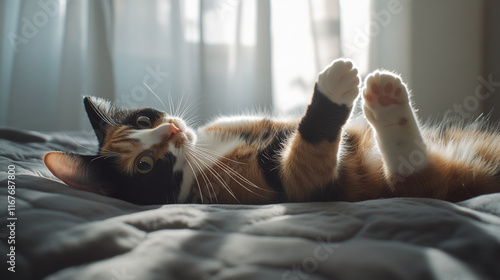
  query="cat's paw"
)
[
  {"x": 386, "y": 99},
  {"x": 339, "y": 81}
]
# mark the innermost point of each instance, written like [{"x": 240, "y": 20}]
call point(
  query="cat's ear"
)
[
  {"x": 78, "y": 171},
  {"x": 99, "y": 112}
]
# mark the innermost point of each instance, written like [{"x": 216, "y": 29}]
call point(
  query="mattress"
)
[{"x": 50, "y": 231}]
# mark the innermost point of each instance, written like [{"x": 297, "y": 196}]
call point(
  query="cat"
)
[{"x": 149, "y": 157}]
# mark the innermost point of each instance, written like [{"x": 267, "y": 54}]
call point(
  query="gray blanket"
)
[{"x": 61, "y": 233}]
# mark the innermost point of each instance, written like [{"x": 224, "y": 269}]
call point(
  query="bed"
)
[{"x": 62, "y": 233}]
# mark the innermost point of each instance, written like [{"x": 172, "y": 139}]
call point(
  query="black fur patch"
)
[
  {"x": 332, "y": 191},
  {"x": 269, "y": 163},
  {"x": 497, "y": 175},
  {"x": 95, "y": 112},
  {"x": 175, "y": 187},
  {"x": 247, "y": 137},
  {"x": 323, "y": 120},
  {"x": 351, "y": 143},
  {"x": 160, "y": 186},
  {"x": 131, "y": 119},
  {"x": 100, "y": 114},
  {"x": 250, "y": 139}
]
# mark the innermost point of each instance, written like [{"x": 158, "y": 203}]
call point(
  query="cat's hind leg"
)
[{"x": 387, "y": 107}]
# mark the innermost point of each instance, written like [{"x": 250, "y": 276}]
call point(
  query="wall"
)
[
  {"x": 437, "y": 47},
  {"x": 492, "y": 54},
  {"x": 446, "y": 57}
]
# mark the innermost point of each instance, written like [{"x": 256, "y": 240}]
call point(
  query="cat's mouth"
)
[
  {"x": 181, "y": 134},
  {"x": 179, "y": 139},
  {"x": 181, "y": 131}
]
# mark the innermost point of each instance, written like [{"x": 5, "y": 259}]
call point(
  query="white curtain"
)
[
  {"x": 200, "y": 57},
  {"x": 53, "y": 53},
  {"x": 212, "y": 57}
]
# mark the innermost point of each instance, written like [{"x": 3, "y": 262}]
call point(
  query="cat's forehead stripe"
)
[
  {"x": 151, "y": 137},
  {"x": 145, "y": 137}
]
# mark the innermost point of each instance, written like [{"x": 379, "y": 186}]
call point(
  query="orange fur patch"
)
[{"x": 307, "y": 167}]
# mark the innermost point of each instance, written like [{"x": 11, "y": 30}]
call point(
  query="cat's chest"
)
[{"x": 210, "y": 155}]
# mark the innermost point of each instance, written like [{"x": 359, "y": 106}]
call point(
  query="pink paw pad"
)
[
  {"x": 398, "y": 91},
  {"x": 375, "y": 89},
  {"x": 384, "y": 95},
  {"x": 388, "y": 88}
]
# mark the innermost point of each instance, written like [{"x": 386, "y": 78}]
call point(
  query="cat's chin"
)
[
  {"x": 183, "y": 142},
  {"x": 182, "y": 139}
]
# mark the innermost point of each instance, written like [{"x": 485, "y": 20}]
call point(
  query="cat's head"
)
[{"x": 141, "y": 155}]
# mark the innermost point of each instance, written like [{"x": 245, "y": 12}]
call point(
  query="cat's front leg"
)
[
  {"x": 387, "y": 108},
  {"x": 309, "y": 159}
]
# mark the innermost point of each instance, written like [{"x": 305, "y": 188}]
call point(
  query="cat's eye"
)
[
  {"x": 143, "y": 122},
  {"x": 145, "y": 164}
]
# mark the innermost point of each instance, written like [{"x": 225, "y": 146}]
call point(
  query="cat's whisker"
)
[
  {"x": 78, "y": 144},
  {"x": 180, "y": 105},
  {"x": 192, "y": 121},
  {"x": 218, "y": 177},
  {"x": 105, "y": 156},
  {"x": 157, "y": 97},
  {"x": 205, "y": 178},
  {"x": 188, "y": 108},
  {"x": 170, "y": 102},
  {"x": 183, "y": 109},
  {"x": 238, "y": 178},
  {"x": 194, "y": 159},
  {"x": 235, "y": 176},
  {"x": 195, "y": 177},
  {"x": 219, "y": 155},
  {"x": 214, "y": 160}
]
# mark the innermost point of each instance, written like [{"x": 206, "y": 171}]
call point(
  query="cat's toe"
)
[
  {"x": 340, "y": 81},
  {"x": 385, "y": 98}
]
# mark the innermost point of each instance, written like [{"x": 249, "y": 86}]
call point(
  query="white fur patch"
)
[
  {"x": 148, "y": 137},
  {"x": 403, "y": 154},
  {"x": 372, "y": 158},
  {"x": 387, "y": 108},
  {"x": 188, "y": 178},
  {"x": 235, "y": 121},
  {"x": 339, "y": 81}
]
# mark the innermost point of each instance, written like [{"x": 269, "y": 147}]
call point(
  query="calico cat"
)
[{"x": 149, "y": 157}]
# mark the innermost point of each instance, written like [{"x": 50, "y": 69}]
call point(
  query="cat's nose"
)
[
  {"x": 173, "y": 130},
  {"x": 169, "y": 130}
]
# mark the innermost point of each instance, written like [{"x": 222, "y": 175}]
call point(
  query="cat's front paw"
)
[
  {"x": 339, "y": 81},
  {"x": 386, "y": 99}
]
